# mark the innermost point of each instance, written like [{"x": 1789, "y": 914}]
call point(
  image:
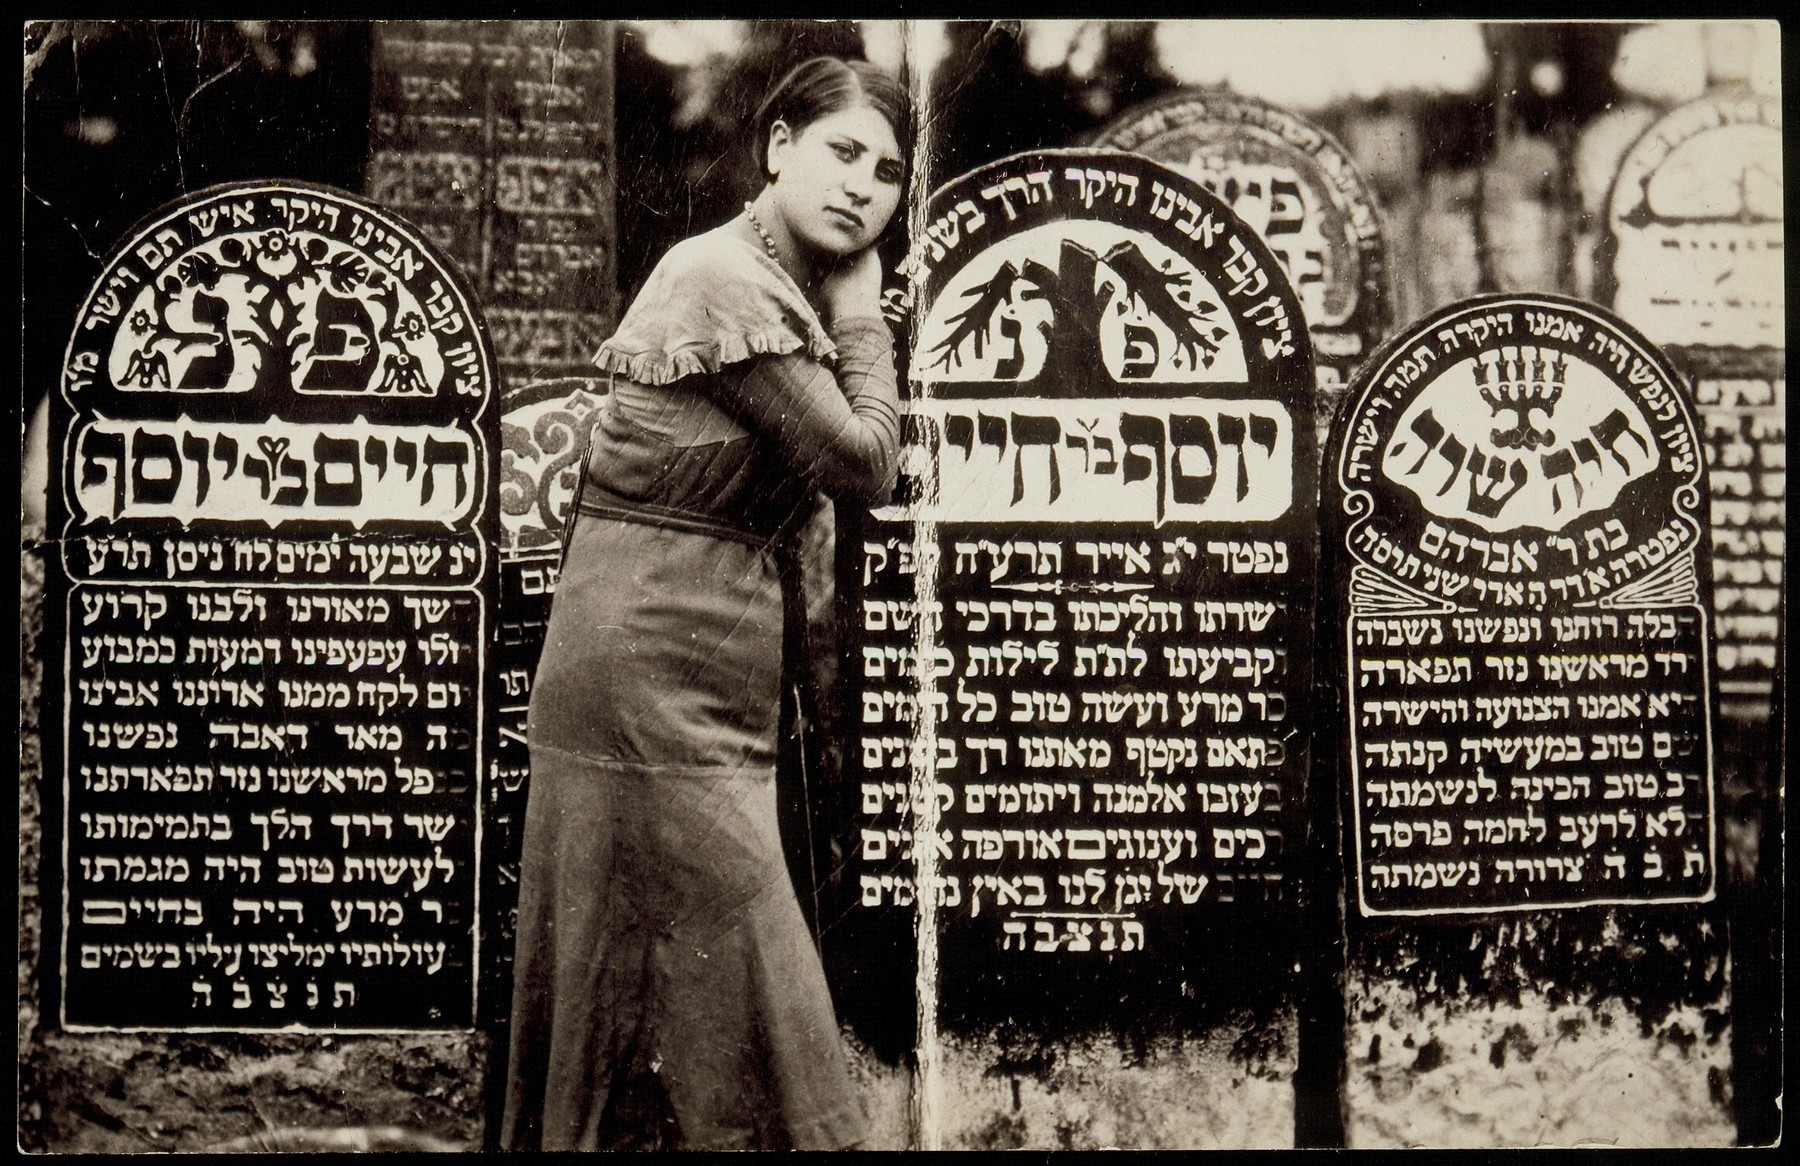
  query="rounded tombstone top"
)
[
  {"x": 1514, "y": 513},
  {"x": 277, "y": 353},
  {"x": 1695, "y": 223},
  {"x": 1076, "y": 277},
  {"x": 1298, "y": 189},
  {"x": 1522, "y": 415}
]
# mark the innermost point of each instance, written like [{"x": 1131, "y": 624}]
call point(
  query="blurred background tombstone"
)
[
  {"x": 1697, "y": 259},
  {"x": 1303, "y": 196},
  {"x": 1696, "y": 242}
]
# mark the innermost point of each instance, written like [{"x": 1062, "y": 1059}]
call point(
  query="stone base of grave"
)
[{"x": 1612, "y": 1029}]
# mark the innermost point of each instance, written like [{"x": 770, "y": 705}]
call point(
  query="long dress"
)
[{"x": 667, "y": 990}]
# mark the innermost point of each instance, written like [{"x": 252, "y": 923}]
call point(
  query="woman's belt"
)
[{"x": 667, "y": 518}]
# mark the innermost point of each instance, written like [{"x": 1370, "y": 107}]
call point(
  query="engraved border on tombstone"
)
[
  {"x": 1082, "y": 633},
  {"x": 1695, "y": 224},
  {"x": 543, "y": 430},
  {"x": 1302, "y": 194},
  {"x": 275, "y": 605},
  {"x": 1515, "y": 499}
]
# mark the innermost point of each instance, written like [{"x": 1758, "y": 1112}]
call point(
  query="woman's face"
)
[{"x": 838, "y": 180}]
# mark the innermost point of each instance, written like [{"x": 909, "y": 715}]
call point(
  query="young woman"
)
[{"x": 667, "y": 991}]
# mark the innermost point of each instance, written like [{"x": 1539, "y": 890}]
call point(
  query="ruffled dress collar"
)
[{"x": 712, "y": 300}]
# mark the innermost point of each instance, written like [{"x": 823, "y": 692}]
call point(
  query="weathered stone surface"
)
[
  {"x": 121, "y": 1093},
  {"x": 1526, "y": 1039},
  {"x": 1104, "y": 1093},
  {"x": 1535, "y": 944}
]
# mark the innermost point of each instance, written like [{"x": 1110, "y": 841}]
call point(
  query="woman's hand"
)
[{"x": 853, "y": 287}]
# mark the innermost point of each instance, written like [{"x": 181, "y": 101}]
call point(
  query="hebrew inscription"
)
[
  {"x": 1518, "y": 514},
  {"x": 1080, "y": 657},
  {"x": 275, "y": 617}
]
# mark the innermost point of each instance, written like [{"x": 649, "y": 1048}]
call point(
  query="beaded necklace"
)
[{"x": 767, "y": 242}]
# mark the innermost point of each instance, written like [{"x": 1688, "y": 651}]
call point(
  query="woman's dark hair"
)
[{"x": 822, "y": 86}]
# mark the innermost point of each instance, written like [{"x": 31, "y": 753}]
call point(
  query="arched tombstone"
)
[
  {"x": 275, "y": 604},
  {"x": 1695, "y": 225},
  {"x": 1078, "y": 652},
  {"x": 1299, "y": 190},
  {"x": 1514, "y": 534},
  {"x": 1695, "y": 238}
]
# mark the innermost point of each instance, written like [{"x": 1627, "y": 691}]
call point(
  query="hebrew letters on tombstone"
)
[
  {"x": 1696, "y": 221},
  {"x": 1077, "y": 680},
  {"x": 1516, "y": 510},
  {"x": 497, "y": 138},
  {"x": 274, "y": 480},
  {"x": 1696, "y": 225},
  {"x": 1303, "y": 196}
]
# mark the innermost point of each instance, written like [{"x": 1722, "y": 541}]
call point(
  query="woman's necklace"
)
[
  {"x": 774, "y": 255},
  {"x": 767, "y": 242}
]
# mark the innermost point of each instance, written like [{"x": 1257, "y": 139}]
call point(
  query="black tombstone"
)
[
  {"x": 274, "y": 463},
  {"x": 1519, "y": 635},
  {"x": 1079, "y": 644}
]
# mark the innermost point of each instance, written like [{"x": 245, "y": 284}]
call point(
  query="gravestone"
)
[
  {"x": 1696, "y": 226},
  {"x": 497, "y": 137},
  {"x": 1079, "y": 653},
  {"x": 1302, "y": 194},
  {"x": 543, "y": 432},
  {"x": 275, "y": 601},
  {"x": 1520, "y": 629}
]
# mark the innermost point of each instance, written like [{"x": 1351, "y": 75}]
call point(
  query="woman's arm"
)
[{"x": 841, "y": 431}]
